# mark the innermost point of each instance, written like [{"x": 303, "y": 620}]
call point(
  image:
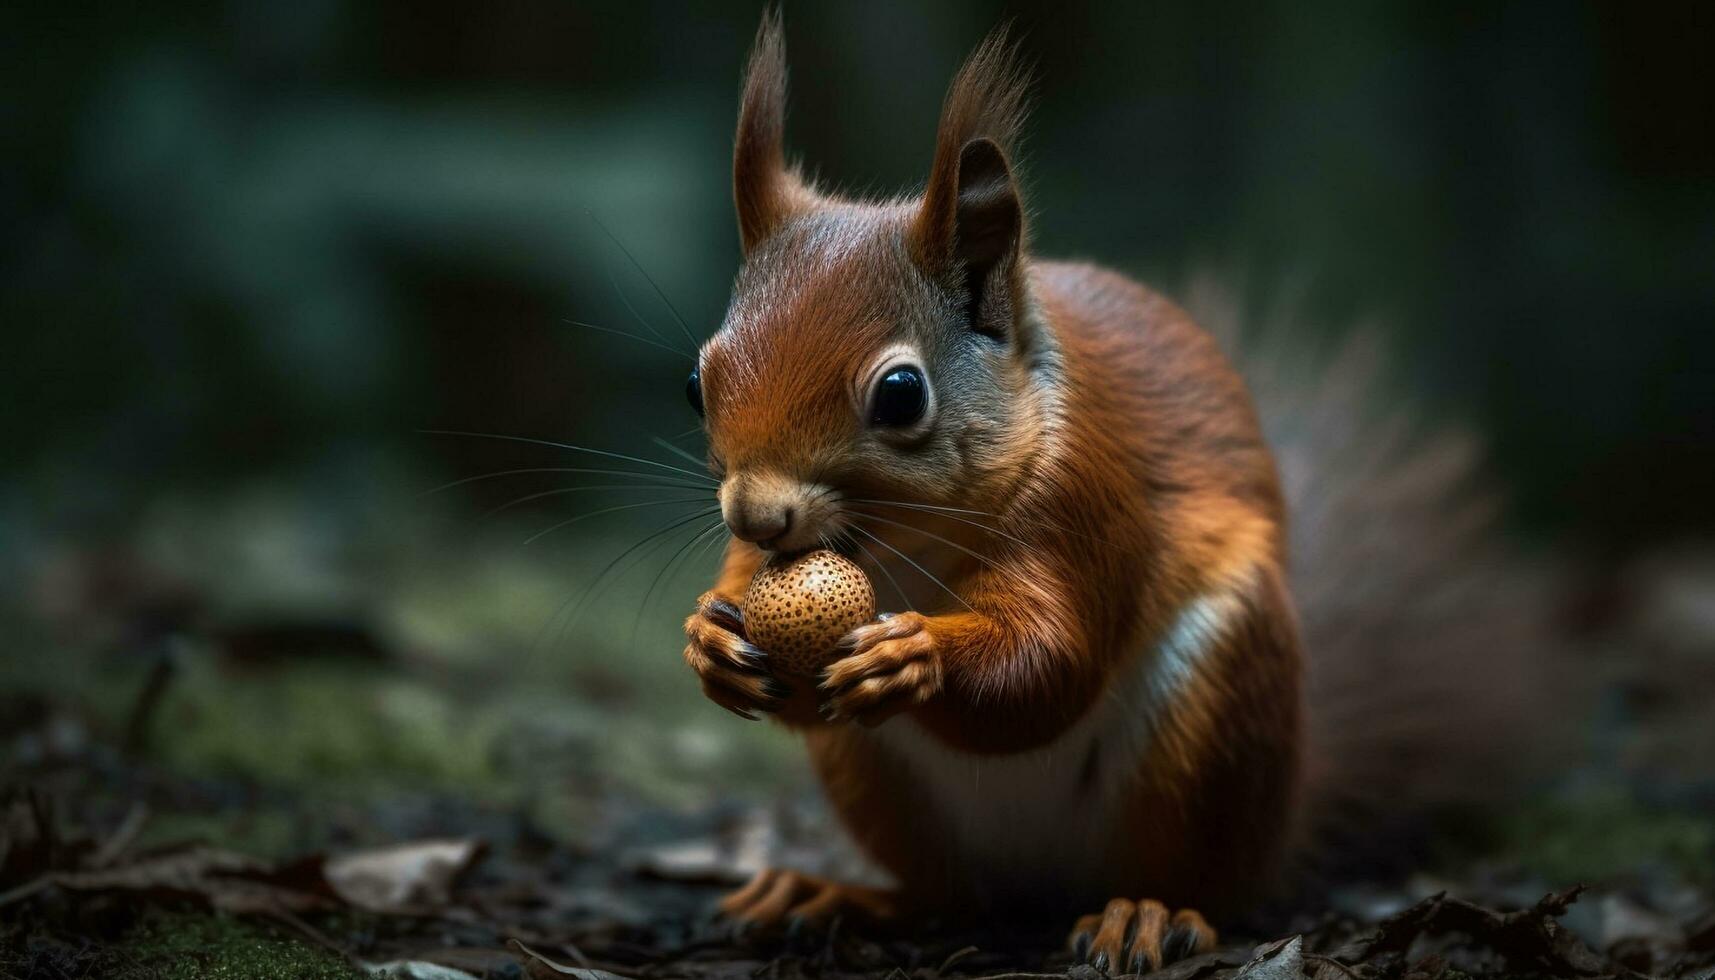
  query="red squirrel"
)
[{"x": 1089, "y": 694}]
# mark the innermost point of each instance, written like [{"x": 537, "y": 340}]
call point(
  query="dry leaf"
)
[
  {"x": 403, "y": 876},
  {"x": 1279, "y": 960},
  {"x": 416, "y": 970}
]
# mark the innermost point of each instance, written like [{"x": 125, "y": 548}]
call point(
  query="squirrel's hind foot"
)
[
  {"x": 1139, "y": 937},
  {"x": 778, "y": 897}
]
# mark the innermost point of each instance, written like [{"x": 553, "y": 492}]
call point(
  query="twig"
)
[
  {"x": 313, "y": 934},
  {"x": 955, "y": 957},
  {"x": 149, "y": 698},
  {"x": 123, "y": 836},
  {"x": 28, "y": 888}
]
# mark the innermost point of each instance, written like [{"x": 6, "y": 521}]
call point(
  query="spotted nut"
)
[{"x": 798, "y": 608}]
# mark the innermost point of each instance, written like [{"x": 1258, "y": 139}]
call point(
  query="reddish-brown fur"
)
[{"x": 1113, "y": 460}]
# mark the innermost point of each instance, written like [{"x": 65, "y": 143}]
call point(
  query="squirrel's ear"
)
[
  {"x": 764, "y": 190},
  {"x": 988, "y": 219},
  {"x": 970, "y": 231}
]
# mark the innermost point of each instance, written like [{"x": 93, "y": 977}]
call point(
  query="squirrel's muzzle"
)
[{"x": 771, "y": 510}]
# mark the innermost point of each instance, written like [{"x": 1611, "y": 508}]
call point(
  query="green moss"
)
[
  {"x": 320, "y": 724},
  {"x": 188, "y": 946},
  {"x": 1604, "y": 833}
]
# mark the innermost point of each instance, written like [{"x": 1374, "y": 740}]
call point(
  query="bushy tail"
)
[{"x": 1427, "y": 637}]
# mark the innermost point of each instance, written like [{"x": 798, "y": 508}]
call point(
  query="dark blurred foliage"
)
[{"x": 274, "y": 239}]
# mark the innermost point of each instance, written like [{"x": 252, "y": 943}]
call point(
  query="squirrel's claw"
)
[
  {"x": 1139, "y": 937},
  {"x": 733, "y": 671},
  {"x": 893, "y": 665},
  {"x": 777, "y": 898}
]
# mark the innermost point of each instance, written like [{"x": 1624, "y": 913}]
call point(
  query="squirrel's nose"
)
[
  {"x": 759, "y": 524},
  {"x": 768, "y": 508}
]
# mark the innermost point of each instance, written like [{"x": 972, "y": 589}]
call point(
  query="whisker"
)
[
  {"x": 630, "y": 336},
  {"x": 907, "y": 558},
  {"x": 565, "y": 490},
  {"x": 675, "y": 450},
  {"x": 541, "y": 635},
  {"x": 560, "y": 469},
  {"x": 713, "y": 540},
  {"x": 718, "y": 541},
  {"x": 937, "y": 508},
  {"x": 611, "y": 510},
  {"x": 568, "y": 446},
  {"x": 652, "y": 541},
  {"x": 902, "y": 503},
  {"x": 985, "y": 559},
  {"x": 647, "y": 277},
  {"x": 904, "y": 600},
  {"x": 626, "y": 300},
  {"x": 665, "y": 573},
  {"x": 950, "y": 517}
]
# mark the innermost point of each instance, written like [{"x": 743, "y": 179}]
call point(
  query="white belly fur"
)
[{"x": 1029, "y": 821}]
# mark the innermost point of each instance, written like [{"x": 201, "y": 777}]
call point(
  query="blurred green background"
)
[
  {"x": 271, "y": 240},
  {"x": 251, "y": 250}
]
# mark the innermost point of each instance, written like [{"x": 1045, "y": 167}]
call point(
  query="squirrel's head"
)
[{"x": 874, "y": 350}]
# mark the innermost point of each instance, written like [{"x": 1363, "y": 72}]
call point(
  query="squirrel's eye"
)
[
  {"x": 900, "y": 398},
  {"x": 694, "y": 391}
]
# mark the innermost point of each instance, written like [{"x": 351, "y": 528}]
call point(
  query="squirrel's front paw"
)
[
  {"x": 893, "y": 665},
  {"x": 733, "y": 671}
]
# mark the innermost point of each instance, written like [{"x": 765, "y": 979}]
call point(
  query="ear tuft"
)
[
  {"x": 764, "y": 191},
  {"x": 972, "y": 220}
]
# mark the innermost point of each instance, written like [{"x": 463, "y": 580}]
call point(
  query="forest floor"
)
[
  {"x": 247, "y": 753},
  {"x": 113, "y": 866}
]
